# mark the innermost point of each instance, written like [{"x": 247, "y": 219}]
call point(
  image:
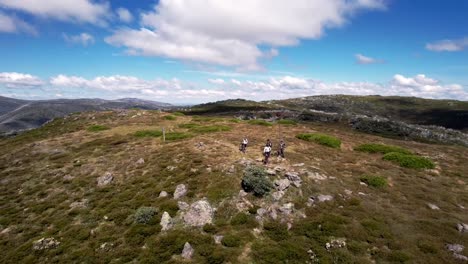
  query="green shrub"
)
[
  {"x": 276, "y": 231},
  {"x": 209, "y": 129},
  {"x": 97, "y": 128},
  {"x": 170, "y": 206},
  {"x": 170, "y": 117},
  {"x": 409, "y": 161},
  {"x": 148, "y": 133},
  {"x": 177, "y": 135},
  {"x": 286, "y": 122},
  {"x": 321, "y": 139},
  {"x": 178, "y": 114},
  {"x": 235, "y": 120},
  {"x": 144, "y": 214},
  {"x": 244, "y": 220},
  {"x": 255, "y": 180},
  {"x": 210, "y": 228},
  {"x": 381, "y": 148},
  {"x": 374, "y": 181},
  {"x": 189, "y": 125},
  {"x": 231, "y": 241},
  {"x": 260, "y": 122}
]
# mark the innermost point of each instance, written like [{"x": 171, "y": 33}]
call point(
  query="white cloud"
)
[
  {"x": 448, "y": 45},
  {"x": 15, "y": 79},
  {"x": 230, "y": 33},
  {"x": 12, "y": 24},
  {"x": 216, "y": 81},
  {"x": 84, "y": 39},
  {"x": 124, "y": 15},
  {"x": 361, "y": 59},
  {"x": 83, "y": 11}
]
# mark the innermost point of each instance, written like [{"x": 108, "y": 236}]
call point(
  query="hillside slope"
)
[{"x": 94, "y": 187}]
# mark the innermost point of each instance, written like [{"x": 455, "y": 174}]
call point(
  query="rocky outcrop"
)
[
  {"x": 199, "y": 214},
  {"x": 282, "y": 185},
  {"x": 45, "y": 243},
  {"x": 294, "y": 178},
  {"x": 187, "y": 252},
  {"x": 180, "y": 191},
  {"x": 166, "y": 222},
  {"x": 462, "y": 227},
  {"x": 105, "y": 179}
]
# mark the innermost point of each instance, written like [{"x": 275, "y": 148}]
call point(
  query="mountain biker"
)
[{"x": 244, "y": 143}]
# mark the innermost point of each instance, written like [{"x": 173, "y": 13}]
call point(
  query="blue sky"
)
[{"x": 191, "y": 51}]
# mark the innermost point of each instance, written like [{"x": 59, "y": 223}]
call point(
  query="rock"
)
[
  {"x": 68, "y": 177},
  {"x": 242, "y": 193},
  {"x": 324, "y": 198},
  {"x": 278, "y": 169},
  {"x": 231, "y": 170},
  {"x": 271, "y": 172},
  {"x": 193, "y": 170},
  {"x": 361, "y": 193},
  {"x": 298, "y": 165},
  {"x": 106, "y": 247},
  {"x": 460, "y": 257},
  {"x": 187, "y": 252},
  {"x": 140, "y": 161},
  {"x": 199, "y": 214},
  {"x": 433, "y": 206},
  {"x": 363, "y": 184},
  {"x": 294, "y": 178},
  {"x": 348, "y": 192},
  {"x": 105, "y": 179},
  {"x": 245, "y": 162},
  {"x": 261, "y": 212},
  {"x": 166, "y": 222},
  {"x": 273, "y": 214},
  {"x": 183, "y": 205},
  {"x": 180, "y": 191},
  {"x": 455, "y": 248},
  {"x": 45, "y": 243},
  {"x": 163, "y": 194},
  {"x": 336, "y": 243},
  {"x": 310, "y": 201},
  {"x": 171, "y": 168},
  {"x": 316, "y": 176},
  {"x": 218, "y": 239},
  {"x": 81, "y": 204},
  {"x": 277, "y": 195},
  {"x": 462, "y": 227},
  {"x": 287, "y": 208},
  {"x": 282, "y": 185}
]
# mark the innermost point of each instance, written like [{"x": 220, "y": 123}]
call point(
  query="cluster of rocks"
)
[
  {"x": 105, "y": 179},
  {"x": 336, "y": 243},
  {"x": 457, "y": 250},
  {"x": 45, "y": 243}
]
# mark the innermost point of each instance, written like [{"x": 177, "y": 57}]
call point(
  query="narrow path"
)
[{"x": 8, "y": 119}]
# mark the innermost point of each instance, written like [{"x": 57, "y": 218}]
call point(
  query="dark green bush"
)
[
  {"x": 239, "y": 219},
  {"x": 231, "y": 241},
  {"x": 260, "y": 122},
  {"x": 170, "y": 117},
  {"x": 321, "y": 139},
  {"x": 97, "y": 128},
  {"x": 189, "y": 125},
  {"x": 409, "y": 161},
  {"x": 210, "y": 228},
  {"x": 381, "y": 148},
  {"x": 256, "y": 180},
  {"x": 145, "y": 214},
  {"x": 374, "y": 181},
  {"x": 148, "y": 133},
  {"x": 170, "y": 206},
  {"x": 276, "y": 231}
]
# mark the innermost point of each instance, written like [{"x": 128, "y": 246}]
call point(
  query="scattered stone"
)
[
  {"x": 105, "y": 179},
  {"x": 68, "y": 177},
  {"x": 282, "y": 185},
  {"x": 348, "y": 192},
  {"x": 171, "y": 168},
  {"x": 180, "y": 191},
  {"x": 294, "y": 178},
  {"x": 140, "y": 161},
  {"x": 336, "y": 243},
  {"x": 312, "y": 256},
  {"x": 455, "y": 248},
  {"x": 81, "y": 204},
  {"x": 259, "y": 160},
  {"x": 166, "y": 222},
  {"x": 261, "y": 212},
  {"x": 277, "y": 195},
  {"x": 183, "y": 205},
  {"x": 200, "y": 145},
  {"x": 310, "y": 201},
  {"x": 271, "y": 172},
  {"x": 218, "y": 239},
  {"x": 245, "y": 162},
  {"x": 242, "y": 193},
  {"x": 324, "y": 197},
  {"x": 163, "y": 194},
  {"x": 298, "y": 165},
  {"x": 187, "y": 252},
  {"x": 433, "y": 206},
  {"x": 460, "y": 257},
  {"x": 462, "y": 227},
  {"x": 231, "y": 170},
  {"x": 316, "y": 176},
  {"x": 193, "y": 170},
  {"x": 6, "y": 230},
  {"x": 287, "y": 208},
  {"x": 45, "y": 243},
  {"x": 273, "y": 213},
  {"x": 199, "y": 214},
  {"x": 361, "y": 193},
  {"x": 363, "y": 184},
  {"x": 106, "y": 247},
  {"x": 106, "y": 217}
]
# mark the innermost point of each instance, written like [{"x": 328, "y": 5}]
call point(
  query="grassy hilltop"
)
[{"x": 350, "y": 197}]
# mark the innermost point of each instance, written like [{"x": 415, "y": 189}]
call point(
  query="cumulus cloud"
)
[
  {"x": 216, "y": 81},
  {"x": 12, "y": 24},
  {"x": 124, "y": 15},
  {"x": 84, "y": 39},
  {"x": 232, "y": 33},
  {"x": 361, "y": 59},
  {"x": 448, "y": 45},
  {"x": 83, "y": 11},
  {"x": 15, "y": 79}
]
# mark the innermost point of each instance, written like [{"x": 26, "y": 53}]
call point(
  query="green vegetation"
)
[
  {"x": 189, "y": 125},
  {"x": 210, "y": 129},
  {"x": 178, "y": 114},
  {"x": 256, "y": 180},
  {"x": 231, "y": 241},
  {"x": 409, "y": 161},
  {"x": 374, "y": 181},
  {"x": 286, "y": 122},
  {"x": 148, "y": 133},
  {"x": 144, "y": 215},
  {"x": 177, "y": 136},
  {"x": 170, "y": 117},
  {"x": 97, "y": 128},
  {"x": 276, "y": 231},
  {"x": 235, "y": 120},
  {"x": 381, "y": 148},
  {"x": 321, "y": 139},
  {"x": 259, "y": 122}
]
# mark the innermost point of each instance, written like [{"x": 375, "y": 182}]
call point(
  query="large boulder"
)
[
  {"x": 199, "y": 214},
  {"x": 282, "y": 185},
  {"x": 180, "y": 191},
  {"x": 294, "y": 178},
  {"x": 187, "y": 252},
  {"x": 462, "y": 227},
  {"x": 105, "y": 179},
  {"x": 166, "y": 222}
]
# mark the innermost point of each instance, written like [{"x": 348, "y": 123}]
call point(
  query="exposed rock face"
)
[
  {"x": 199, "y": 214},
  {"x": 433, "y": 206},
  {"x": 166, "y": 221},
  {"x": 187, "y": 252},
  {"x": 294, "y": 178},
  {"x": 324, "y": 198},
  {"x": 163, "y": 194},
  {"x": 180, "y": 191},
  {"x": 45, "y": 243},
  {"x": 462, "y": 227},
  {"x": 105, "y": 179},
  {"x": 282, "y": 185}
]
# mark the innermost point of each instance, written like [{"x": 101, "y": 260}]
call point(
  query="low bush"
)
[
  {"x": 189, "y": 125},
  {"x": 276, "y": 231},
  {"x": 145, "y": 214},
  {"x": 256, "y": 180},
  {"x": 178, "y": 114},
  {"x": 231, "y": 241},
  {"x": 286, "y": 122},
  {"x": 170, "y": 117},
  {"x": 409, "y": 161},
  {"x": 235, "y": 120},
  {"x": 321, "y": 139},
  {"x": 374, "y": 181},
  {"x": 170, "y": 206},
  {"x": 209, "y": 129},
  {"x": 177, "y": 135},
  {"x": 210, "y": 228},
  {"x": 381, "y": 148},
  {"x": 97, "y": 128},
  {"x": 148, "y": 133},
  {"x": 260, "y": 122}
]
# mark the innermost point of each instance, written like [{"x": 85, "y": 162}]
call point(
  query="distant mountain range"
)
[{"x": 17, "y": 115}]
